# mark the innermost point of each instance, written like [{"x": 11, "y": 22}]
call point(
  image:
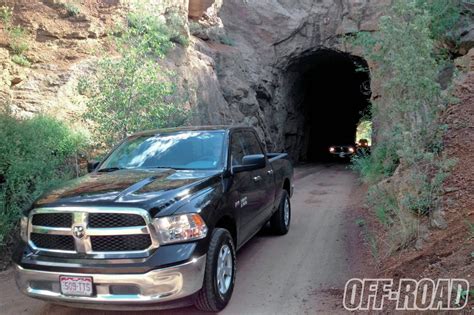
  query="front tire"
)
[
  {"x": 280, "y": 221},
  {"x": 220, "y": 271}
]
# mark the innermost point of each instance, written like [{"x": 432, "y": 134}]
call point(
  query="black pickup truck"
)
[{"x": 157, "y": 223}]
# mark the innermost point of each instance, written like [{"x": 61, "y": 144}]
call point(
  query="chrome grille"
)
[
  {"x": 107, "y": 220},
  {"x": 100, "y": 232},
  {"x": 120, "y": 242},
  {"x": 50, "y": 241},
  {"x": 53, "y": 219}
]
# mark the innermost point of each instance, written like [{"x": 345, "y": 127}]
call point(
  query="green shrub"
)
[
  {"x": 407, "y": 62},
  {"x": 226, "y": 40},
  {"x": 21, "y": 60},
  {"x": 146, "y": 34},
  {"x": 34, "y": 156},
  {"x": 445, "y": 14},
  {"x": 128, "y": 95},
  {"x": 380, "y": 164},
  {"x": 6, "y": 14},
  {"x": 72, "y": 9},
  {"x": 175, "y": 23},
  {"x": 133, "y": 93},
  {"x": 17, "y": 36},
  {"x": 194, "y": 27},
  {"x": 384, "y": 204},
  {"x": 401, "y": 224},
  {"x": 150, "y": 33},
  {"x": 18, "y": 40}
]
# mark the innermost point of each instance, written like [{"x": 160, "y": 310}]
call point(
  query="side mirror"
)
[
  {"x": 92, "y": 165},
  {"x": 250, "y": 163}
]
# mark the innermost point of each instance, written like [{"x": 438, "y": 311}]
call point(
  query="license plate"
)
[{"x": 76, "y": 286}]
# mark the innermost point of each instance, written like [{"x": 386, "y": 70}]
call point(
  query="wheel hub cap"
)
[
  {"x": 286, "y": 212},
  {"x": 224, "y": 269}
]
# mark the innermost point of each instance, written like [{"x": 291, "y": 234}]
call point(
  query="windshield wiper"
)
[
  {"x": 110, "y": 169},
  {"x": 173, "y": 168}
]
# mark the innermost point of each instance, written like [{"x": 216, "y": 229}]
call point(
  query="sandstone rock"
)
[{"x": 198, "y": 7}]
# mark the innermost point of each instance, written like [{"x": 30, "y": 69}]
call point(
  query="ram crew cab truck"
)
[{"x": 157, "y": 223}]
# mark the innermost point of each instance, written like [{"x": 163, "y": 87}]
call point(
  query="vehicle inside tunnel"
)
[{"x": 335, "y": 97}]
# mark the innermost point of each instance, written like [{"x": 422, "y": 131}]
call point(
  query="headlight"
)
[
  {"x": 180, "y": 228},
  {"x": 331, "y": 149},
  {"x": 351, "y": 150},
  {"x": 24, "y": 228}
]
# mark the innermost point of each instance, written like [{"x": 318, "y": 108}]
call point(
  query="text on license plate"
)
[{"x": 77, "y": 286}]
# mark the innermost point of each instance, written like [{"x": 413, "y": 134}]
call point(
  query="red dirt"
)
[{"x": 56, "y": 36}]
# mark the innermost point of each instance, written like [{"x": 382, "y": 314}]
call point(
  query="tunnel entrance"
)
[{"x": 333, "y": 96}]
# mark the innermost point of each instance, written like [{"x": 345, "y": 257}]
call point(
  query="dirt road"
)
[{"x": 301, "y": 272}]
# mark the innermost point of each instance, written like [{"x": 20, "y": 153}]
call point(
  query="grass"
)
[
  {"x": 369, "y": 238},
  {"x": 383, "y": 204},
  {"x": 402, "y": 224}
]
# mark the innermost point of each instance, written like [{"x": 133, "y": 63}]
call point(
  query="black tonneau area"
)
[{"x": 276, "y": 156}]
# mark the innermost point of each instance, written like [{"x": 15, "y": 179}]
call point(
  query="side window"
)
[
  {"x": 251, "y": 143},
  {"x": 236, "y": 149}
]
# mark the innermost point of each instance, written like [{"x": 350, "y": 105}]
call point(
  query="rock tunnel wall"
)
[
  {"x": 275, "y": 44},
  {"x": 244, "y": 65}
]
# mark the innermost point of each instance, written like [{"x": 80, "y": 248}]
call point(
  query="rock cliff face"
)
[
  {"x": 246, "y": 63},
  {"x": 61, "y": 48},
  {"x": 249, "y": 62},
  {"x": 277, "y": 43}
]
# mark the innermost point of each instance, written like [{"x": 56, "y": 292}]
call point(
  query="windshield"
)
[{"x": 196, "y": 150}]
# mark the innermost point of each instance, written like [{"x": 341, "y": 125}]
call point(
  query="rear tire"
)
[
  {"x": 220, "y": 271},
  {"x": 281, "y": 219}
]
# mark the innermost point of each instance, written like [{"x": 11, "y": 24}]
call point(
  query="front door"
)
[{"x": 256, "y": 194}]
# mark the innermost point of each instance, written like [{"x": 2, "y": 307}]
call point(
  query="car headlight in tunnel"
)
[
  {"x": 332, "y": 149},
  {"x": 180, "y": 228}
]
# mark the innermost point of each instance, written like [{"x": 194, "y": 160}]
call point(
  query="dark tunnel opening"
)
[{"x": 336, "y": 88}]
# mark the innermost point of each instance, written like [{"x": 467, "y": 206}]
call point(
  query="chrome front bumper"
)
[{"x": 160, "y": 285}]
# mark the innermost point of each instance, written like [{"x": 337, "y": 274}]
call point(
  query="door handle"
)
[
  {"x": 257, "y": 178},
  {"x": 270, "y": 172}
]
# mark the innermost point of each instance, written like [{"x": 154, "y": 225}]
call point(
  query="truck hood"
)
[{"x": 140, "y": 188}]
